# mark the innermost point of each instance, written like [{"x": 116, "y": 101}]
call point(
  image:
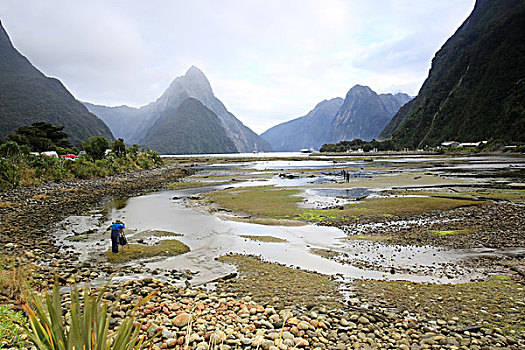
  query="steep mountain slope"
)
[
  {"x": 309, "y": 131},
  {"x": 28, "y": 96},
  {"x": 364, "y": 114},
  {"x": 137, "y": 122},
  {"x": 475, "y": 89},
  {"x": 188, "y": 128},
  {"x": 122, "y": 120}
]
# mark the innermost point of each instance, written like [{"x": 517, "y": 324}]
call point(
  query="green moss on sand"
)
[
  {"x": 267, "y": 239},
  {"x": 281, "y": 203},
  {"x": 171, "y": 247},
  {"x": 451, "y": 232},
  {"x": 266, "y": 282}
]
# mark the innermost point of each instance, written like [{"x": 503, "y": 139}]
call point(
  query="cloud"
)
[{"x": 268, "y": 61}]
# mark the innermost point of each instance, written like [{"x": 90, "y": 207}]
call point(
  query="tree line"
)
[
  {"x": 20, "y": 164},
  {"x": 358, "y": 144}
]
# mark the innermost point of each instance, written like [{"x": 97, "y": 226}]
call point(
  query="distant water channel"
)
[{"x": 210, "y": 236}]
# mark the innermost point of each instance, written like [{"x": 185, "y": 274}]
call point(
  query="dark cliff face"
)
[
  {"x": 475, "y": 89},
  {"x": 364, "y": 114},
  {"x": 134, "y": 124},
  {"x": 28, "y": 96}
]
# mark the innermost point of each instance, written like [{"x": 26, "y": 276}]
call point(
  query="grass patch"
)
[
  {"x": 496, "y": 194},
  {"x": 156, "y": 233},
  {"x": 429, "y": 193},
  {"x": 406, "y": 206},
  {"x": 516, "y": 195},
  {"x": 264, "y": 281},
  {"x": 14, "y": 278},
  {"x": 267, "y": 239},
  {"x": 260, "y": 201},
  {"x": 398, "y": 180},
  {"x": 451, "y": 232},
  {"x": 72, "y": 190},
  {"x": 131, "y": 252},
  {"x": 159, "y": 233},
  {"x": 502, "y": 277},
  {"x": 281, "y": 203},
  {"x": 493, "y": 303},
  {"x": 40, "y": 197}
]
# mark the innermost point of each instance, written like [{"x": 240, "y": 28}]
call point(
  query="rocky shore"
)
[
  {"x": 267, "y": 307},
  {"x": 486, "y": 228},
  {"x": 489, "y": 225},
  {"x": 27, "y": 213},
  {"x": 197, "y": 319}
]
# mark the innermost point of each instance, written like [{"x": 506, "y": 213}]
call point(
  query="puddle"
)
[{"x": 353, "y": 193}]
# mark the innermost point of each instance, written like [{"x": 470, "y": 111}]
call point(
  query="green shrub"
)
[
  {"x": 118, "y": 148},
  {"x": 11, "y": 149},
  {"x": 21, "y": 168},
  {"x": 133, "y": 151},
  {"x": 10, "y": 331},
  {"x": 9, "y": 174},
  {"x": 87, "y": 326},
  {"x": 96, "y": 147}
]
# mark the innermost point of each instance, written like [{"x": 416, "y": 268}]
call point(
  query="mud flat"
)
[{"x": 322, "y": 286}]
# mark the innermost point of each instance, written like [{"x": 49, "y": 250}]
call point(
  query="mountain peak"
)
[
  {"x": 196, "y": 76},
  {"x": 194, "y": 72},
  {"x": 194, "y": 82},
  {"x": 360, "y": 90},
  {"x": 358, "y": 87}
]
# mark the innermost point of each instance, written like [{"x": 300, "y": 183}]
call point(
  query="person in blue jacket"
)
[{"x": 116, "y": 229}]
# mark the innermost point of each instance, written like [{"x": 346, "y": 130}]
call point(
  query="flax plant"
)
[{"x": 87, "y": 327}]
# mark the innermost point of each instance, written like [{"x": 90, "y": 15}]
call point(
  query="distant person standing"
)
[{"x": 116, "y": 230}]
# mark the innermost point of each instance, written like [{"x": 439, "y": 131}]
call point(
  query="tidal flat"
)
[{"x": 294, "y": 236}]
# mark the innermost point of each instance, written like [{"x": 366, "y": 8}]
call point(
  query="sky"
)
[{"x": 268, "y": 61}]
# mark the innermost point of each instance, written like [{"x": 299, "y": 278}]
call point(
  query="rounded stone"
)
[{"x": 181, "y": 320}]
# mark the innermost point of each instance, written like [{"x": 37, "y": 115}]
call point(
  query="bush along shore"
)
[{"x": 267, "y": 307}]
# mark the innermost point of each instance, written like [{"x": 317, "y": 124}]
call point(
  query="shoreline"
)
[
  {"x": 256, "y": 319},
  {"x": 28, "y": 213}
]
